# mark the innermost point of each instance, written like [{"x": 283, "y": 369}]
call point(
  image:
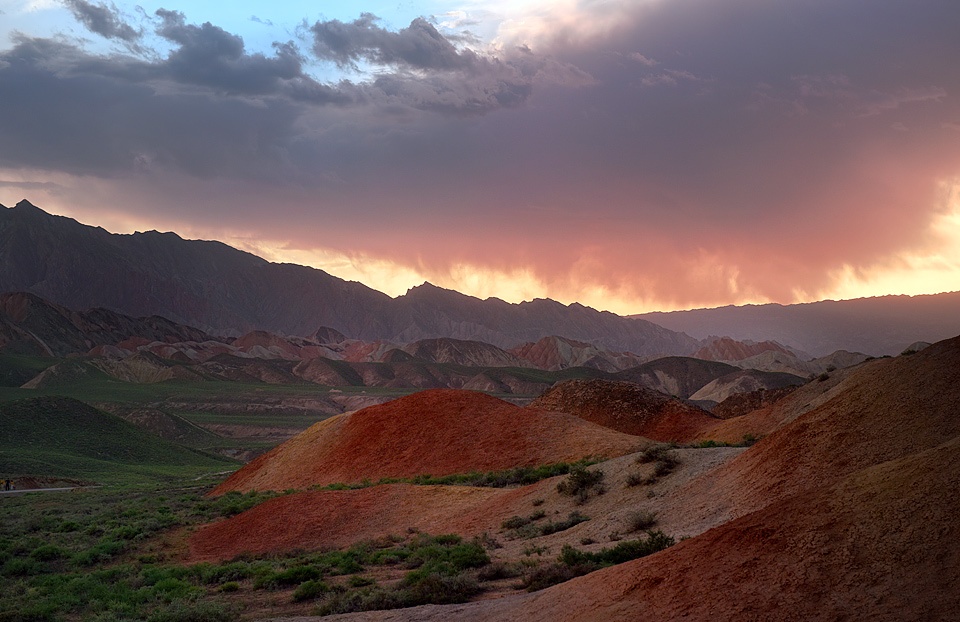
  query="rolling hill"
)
[{"x": 63, "y": 437}]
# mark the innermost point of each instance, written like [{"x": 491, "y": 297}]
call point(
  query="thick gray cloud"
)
[
  {"x": 773, "y": 141},
  {"x": 102, "y": 20},
  {"x": 209, "y": 56},
  {"x": 419, "y": 45},
  {"x": 211, "y": 108}
]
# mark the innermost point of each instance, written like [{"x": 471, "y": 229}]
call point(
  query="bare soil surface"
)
[
  {"x": 872, "y": 546},
  {"x": 338, "y": 518}
]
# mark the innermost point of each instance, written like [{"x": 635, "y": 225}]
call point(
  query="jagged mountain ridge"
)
[
  {"x": 223, "y": 290},
  {"x": 32, "y": 325}
]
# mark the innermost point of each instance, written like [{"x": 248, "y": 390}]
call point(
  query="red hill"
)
[
  {"x": 627, "y": 407},
  {"x": 726, "y": 349},
  {"x": 436, "y": 432}
]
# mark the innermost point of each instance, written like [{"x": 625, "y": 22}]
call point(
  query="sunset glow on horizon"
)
[{"x": 631, "y": 156}]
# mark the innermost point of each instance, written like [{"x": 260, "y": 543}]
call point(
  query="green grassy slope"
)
[{"x": 64, "y": 437}]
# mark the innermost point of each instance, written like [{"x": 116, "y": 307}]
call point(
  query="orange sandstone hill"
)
[
  {"x": 627, "y": 407},
  {"x": 436, "y": 432}
]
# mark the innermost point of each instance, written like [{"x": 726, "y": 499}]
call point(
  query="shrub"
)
[
  {"x": 47, "y": 552},
  {"x": 574, "y": 518},
  {"x": 622, "y": 552},
  {"x": 309, "y": 590},
  {"x": 235, "y": 571},
  {"x": 663, "y": 467},
  {"x": 497, "y": 570},
  {"x": 655, "y": 453},
  {"x": 641, "y": 521},
  {"x": 544, "y": 576},
  {"x": 580, "y": 483},
  {"x": 487, "y": 541},
  {"x": 514, "y": 522},
  {"x": 435, "y": 589},
  {"x": 358, "y": 581}
]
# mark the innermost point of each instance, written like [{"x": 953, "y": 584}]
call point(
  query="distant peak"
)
[
  {"x": 425, "y": 286},
  {"x": 25, "y": 204}
]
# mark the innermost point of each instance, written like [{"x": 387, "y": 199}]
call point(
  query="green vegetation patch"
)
[
  {"x": 16, "y": 369},
  {"x": 62, "y": 437},
  {"x": 109, "y": 555},
  {"x": 573, "y": 563},
  {"x": 519, "y": 476}
]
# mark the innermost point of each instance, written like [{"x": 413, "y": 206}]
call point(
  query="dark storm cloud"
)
[
  {"x": 60, "y": 113},
  {"x": 420, "y": 45},
  {"x": 711, "y": 150},
  {"x": 430, "y": 73},
  {"x": 102, "y": 20},
  {"x": 210, "y": 107},
  {"x": 210, "y": 56}
]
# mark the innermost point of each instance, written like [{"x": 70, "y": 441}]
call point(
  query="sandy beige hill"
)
[
  {"x": 882, "y": 410},
  {"x": 627, "y": 407},
  {"x": 436, "y": 432}
]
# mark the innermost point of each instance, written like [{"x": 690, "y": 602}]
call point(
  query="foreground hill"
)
[
  {"x": 227, "y": 291},
  {"x": 438, "y": 432},
  {"x": 847, "y": 510},
  {"x": 875, "y": 545},
  {"x": 63, "y": 437}
]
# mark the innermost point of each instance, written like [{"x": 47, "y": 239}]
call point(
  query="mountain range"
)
[
  {"x": 228, "y": 292},
  {"x": 884, "y": 325}
]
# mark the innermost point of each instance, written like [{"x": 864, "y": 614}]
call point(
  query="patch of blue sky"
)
[{"x": 259, "y": 24}]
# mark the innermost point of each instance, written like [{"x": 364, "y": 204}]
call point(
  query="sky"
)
[{"x": 630, "y": 155}]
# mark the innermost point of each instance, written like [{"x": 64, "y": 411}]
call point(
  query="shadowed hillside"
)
[
  {"x": 227, "y": 291},
  {"x": 626, "y": 407},
  {"x": 63, "y": 437}
]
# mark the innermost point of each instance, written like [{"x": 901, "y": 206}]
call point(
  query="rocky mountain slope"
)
[
  {"x": 879, "y": 326},
  {"x": 726, "y": 349},
  {"x": 227, "y": 291},
  {"x": 31, "y": 325}
]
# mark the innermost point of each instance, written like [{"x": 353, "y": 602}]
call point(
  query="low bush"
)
[
  {"x": 656, "y": 453},
  {"x": 544, "y": 576},
  {"x": 622, "y": 552},
  {"x": 580, "y": 483},
  {"x": 308, "y": 590},
  {"x": 574, "y": 518}
]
